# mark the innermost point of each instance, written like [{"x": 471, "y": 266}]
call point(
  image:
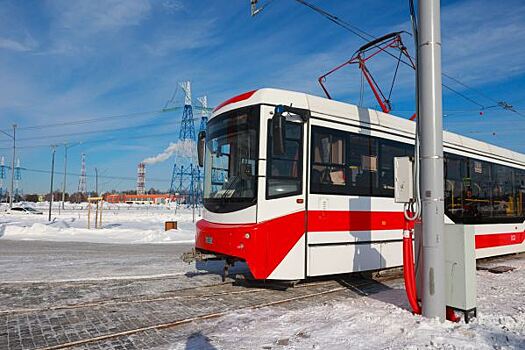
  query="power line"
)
[
  {"x": 108, "y": 118},
  {"x": 135, "y": 137},
  {"x": 363, "y": 35},
  {"x": 155, "y": 135},
  {"x": 350, "y": 27},
  {"x": 463, "y": 96},
  {"x": 171, "y": 133},
  {"x": 101, "y": 131},
  {"x": 91, "y": 120},
  {"x": 42, "y": 171},
  {"x": 353, "y": 29}
]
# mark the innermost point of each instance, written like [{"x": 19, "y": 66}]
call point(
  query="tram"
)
[{"x": 297, "y": 185}]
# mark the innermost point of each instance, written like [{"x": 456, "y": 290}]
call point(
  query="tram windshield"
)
[{"x": 231, "y": 160}]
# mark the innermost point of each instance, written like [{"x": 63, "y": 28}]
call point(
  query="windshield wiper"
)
[{"x": 229, "y": 187}]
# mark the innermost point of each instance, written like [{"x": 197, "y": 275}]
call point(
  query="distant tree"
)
[
  {"x": 31, "y": 198},
  {"x": 153, "y": 191},
  {"x": 77, "y": 197},
  {"x": 57, "y": 196}
]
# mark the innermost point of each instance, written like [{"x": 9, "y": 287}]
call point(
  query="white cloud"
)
[
  {"x": 26, "y": 44},
  {"x": 13, "y": 45},
  {"x": 99, "y": 15},
  {"x": 483, "y": 40},
  {"x": 192, "y": 35},
  {"x": 172, "y": 6}
]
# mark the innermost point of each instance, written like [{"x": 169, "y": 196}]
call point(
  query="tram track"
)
[
  {"x": 149, "y": 299},
  {"x": 203, "y": 317},
  {"x": 156, "y": 317},
  {"x": 129, "y": 320},
  {"x": 113, "y": 301}
]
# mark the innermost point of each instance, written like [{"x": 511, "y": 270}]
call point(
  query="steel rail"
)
[
  {"x": 122, "y": 300},
  {"x": 188, "y": 320}
]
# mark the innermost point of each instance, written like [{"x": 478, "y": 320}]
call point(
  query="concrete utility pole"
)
[
  {"x": 431, "y": 159},
  {"x": 65, "y": 173},
  {"x": 52, "y": 175},
  {"x": 12, "y": 193}
]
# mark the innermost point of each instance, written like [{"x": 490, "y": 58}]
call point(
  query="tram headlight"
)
[{"x": 247, "y": 235}]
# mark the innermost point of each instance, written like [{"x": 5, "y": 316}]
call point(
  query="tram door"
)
[{"x": 282, "y": 198}]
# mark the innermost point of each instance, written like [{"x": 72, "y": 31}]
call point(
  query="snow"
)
[
  {"x": 128, "y": 224},
  {"x": 379, "y": 321}
]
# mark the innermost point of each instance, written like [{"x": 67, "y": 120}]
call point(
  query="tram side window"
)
[
  {"x": 354, "y": 164},
  {"x": 284, "y": 172},
  {"x": 503, "y": 195},
  {"x": 456, "y": 181},
  {"x": 362, "y": 164},
  {"x": 478, "y": 192},
  {"x": 519, "y": 180},
  {"x": 329, "y": 174},
  {"x": 387, "y": 151}
]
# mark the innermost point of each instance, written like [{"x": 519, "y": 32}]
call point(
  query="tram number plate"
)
[{"x": 209, "y": 239}]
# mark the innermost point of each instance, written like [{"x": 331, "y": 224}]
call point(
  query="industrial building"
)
[{"x": 141, "y": 198}]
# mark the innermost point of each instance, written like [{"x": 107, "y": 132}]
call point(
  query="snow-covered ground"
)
[
  {"x": 120, "y": 224},
  {"x": 379, "y": 321}
]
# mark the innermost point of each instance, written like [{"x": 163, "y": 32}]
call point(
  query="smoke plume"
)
[{"x": 183, "y": 148}]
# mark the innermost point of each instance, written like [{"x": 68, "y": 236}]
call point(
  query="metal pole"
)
[
  {"x": 96, "y": 216},
  {"x": 192, "y": 192},
  {"x": 96, "y": 181},
  {"x": 65, "y": 172},
  {"x": 431, "y": 159},
  {"x": 101, "y": 208},
  {"x": 52, "y": 176},
  {"x": 59, "y": 206},
  {"x": 11, "y": 194}
]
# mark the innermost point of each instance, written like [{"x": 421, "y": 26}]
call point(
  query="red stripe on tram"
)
[{"x": 499, "y": 239}]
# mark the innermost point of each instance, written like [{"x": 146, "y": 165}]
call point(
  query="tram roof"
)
[{"x": 341, "y": 111}]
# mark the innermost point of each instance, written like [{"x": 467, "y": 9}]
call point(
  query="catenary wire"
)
[{"x": 367, "y": 36}]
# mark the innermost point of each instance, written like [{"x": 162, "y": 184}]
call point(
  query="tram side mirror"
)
[
  {"x": 201, "y": 143},
  {"x": 278, "y": 131}
]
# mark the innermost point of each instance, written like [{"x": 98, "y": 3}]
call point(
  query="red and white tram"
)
[{"x": 324, "y": 204}]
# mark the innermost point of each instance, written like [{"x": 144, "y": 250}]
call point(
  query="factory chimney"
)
[{"x": 141, "y": 178}]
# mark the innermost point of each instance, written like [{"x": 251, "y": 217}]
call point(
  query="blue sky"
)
[{"x": 69, "y": 60}]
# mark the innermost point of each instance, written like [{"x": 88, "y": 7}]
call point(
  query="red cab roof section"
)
[{"x": 234, "y": 99}]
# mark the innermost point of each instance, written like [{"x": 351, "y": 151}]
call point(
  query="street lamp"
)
[
  {"x": 53, "y": 147},
  {"x": 13, "y": 137}
]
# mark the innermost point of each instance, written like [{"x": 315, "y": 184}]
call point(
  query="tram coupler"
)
[
  {"x": 196, "y": 255},
  {"x": 227, "y": 264}
]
